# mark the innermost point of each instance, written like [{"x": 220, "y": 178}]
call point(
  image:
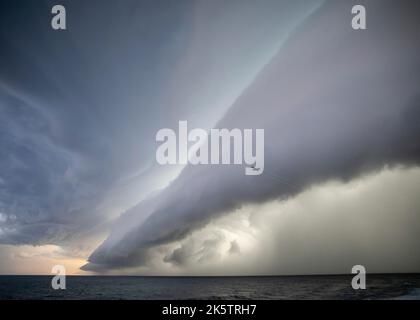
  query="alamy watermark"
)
[
  {"x": 359, "y": 280},
  {"x": 220, "y": 146},
  {"x": 58, "y": 22},
  {"x": 359, "y": 19},
  {"x": 58, "y": 282}
]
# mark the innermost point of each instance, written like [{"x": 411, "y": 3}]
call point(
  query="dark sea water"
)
[{"x": 295, "y": 287}]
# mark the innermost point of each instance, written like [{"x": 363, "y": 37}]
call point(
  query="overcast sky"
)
[{"x": 79, "y": 184}]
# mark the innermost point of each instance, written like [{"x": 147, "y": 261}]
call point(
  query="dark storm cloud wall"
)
[
  {"x": 335, "y": 103},
  {"x": 80, "y": 108},
  {"x": 74, "y": 102},
  {"x": 61, "y": 136}
]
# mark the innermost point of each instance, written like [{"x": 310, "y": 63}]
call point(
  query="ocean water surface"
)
[{"x": 390, "y": 286}]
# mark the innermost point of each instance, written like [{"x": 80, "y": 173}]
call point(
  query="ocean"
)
[{"x": 389, "y": 286}]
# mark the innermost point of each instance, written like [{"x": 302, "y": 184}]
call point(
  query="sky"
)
[{"x": 80, "y": 108}]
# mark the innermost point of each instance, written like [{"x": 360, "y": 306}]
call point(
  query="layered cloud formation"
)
[
  {"x": 371, "y": 221},
  {"x": 80, "y": 109},
  {"x": 335, "y": 103}
]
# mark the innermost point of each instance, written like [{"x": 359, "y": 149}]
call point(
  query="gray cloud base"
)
[
  {"x": 335, "y": 104},
  {"x": 80, "y": 108}
]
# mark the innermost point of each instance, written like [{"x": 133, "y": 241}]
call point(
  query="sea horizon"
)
[
  {"x": 134, "y": 287},
  {"x": 213, "y": 276}
]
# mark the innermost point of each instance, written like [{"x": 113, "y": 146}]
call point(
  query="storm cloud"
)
[
  {"x": 80, "y": 108},
  {"x": 335, "y": 103},
  {"x": 79, "y": 111}
]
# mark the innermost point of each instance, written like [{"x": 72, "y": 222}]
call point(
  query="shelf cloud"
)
[{"x": 335, "y": 104}]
